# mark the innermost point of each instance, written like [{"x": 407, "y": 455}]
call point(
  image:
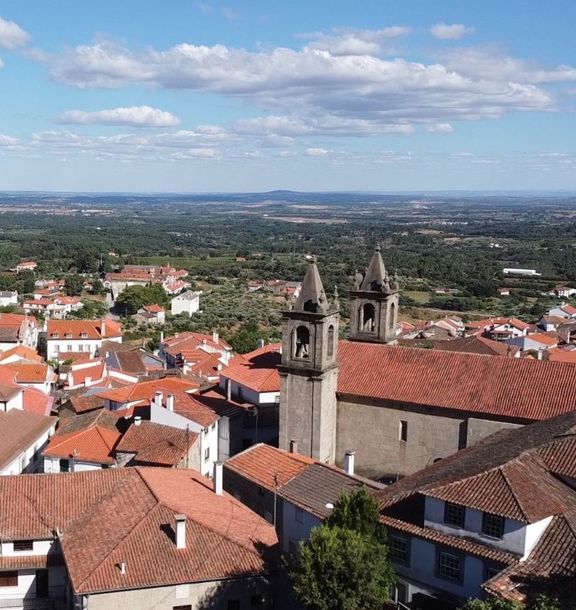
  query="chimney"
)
[
  {"x": 180, "y": 531},
  {"x": 293, "y": 446},
  {"x": 158, "y": 396},
  {"x": 122, "y": 567},
  {"x": 215, "y": 336},
  {"x": 161, "y": 336},
  {"x": 228, "y": 389},
  {"x": 218, "y": 485},
  {"x": 87, "y": 381},
  {"x": 260, "y": 343},
  {"x": 539, "y": 354},
  {"x": 170, "y": 402},
  {"x": 219, "y": 367},
  {"x": 349, "y": 462},
  {"x": 137, "y": 420}
]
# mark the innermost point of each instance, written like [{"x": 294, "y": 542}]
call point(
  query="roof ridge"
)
[{"x": 511, "y": 488}]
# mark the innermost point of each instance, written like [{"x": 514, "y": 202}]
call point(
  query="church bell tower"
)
[
  {"x": 309, "y": 371},
  {"x": 374, "y": 304}
]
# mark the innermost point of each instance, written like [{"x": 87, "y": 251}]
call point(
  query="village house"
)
[
  {"x": 187, "y": 303},
  {"x": 131, "y": 538},
  {"x": 150, "y": 314},
  {"x": 65, "y": 337},
  {"x": 184, "y": 350},
  {"x": 8, "y": 297},
  {"x": 19, "y": 353},
  {"x": 57, "y": 307},
  {"x": 293, "y": 492},
  {"x": 538, "y": 342},
  {"x": 26, "y": 266},
  {"x": 23, "y": 435},
  {"x": 478, "y": 345},
  {"x": 143, "y": 275},
  {"x": 565, "y": 310},
  {"x": 16, "y": 329},
  {"x": 495, "y": 518},
  {"x": 130, "y": 361},
  {"x": 563, "y": 292}
]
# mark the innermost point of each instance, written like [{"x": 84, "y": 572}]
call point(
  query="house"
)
[
  {"x": 538, "y": 342},
  {"x": 131, "y": 538},
  {"x": 183, "y": 349},
  {"x": 8, "y": 297},
  {"x": 187, "y": 303},
  {"x": 551, "y": 323},
  {"x": 143, "y": 275},
  {"x": 478, "y": 345},
  {"x": 398, "y": 408},
  {"x": 20, "y": 353},
  {"x": 129, "y": 360},
  {"x": 16, "y": 329},
  {"x": 564, "y": 310},
  {"x": 84, "y": 442},
  {"x": 85, "y": 336},
  {"x": 176, "y": 287},
  {"x": 84, "y": 373},
  {"x": 293, "y": 492},
  {"x": 26, "y": 266},
  {"x": 284, "y": 287},
  {"x": 37, "y": 375},
  {"x": 23, "y": 435},
  {"x": 504, "y": 292},
  {"x": 497, "y": 517},
  {"x": 562, "y": 291},
  {"x": 146, "y": 443},
  {"x": 525, "y": 272},
  {"x": 150, "y": 314},
  {"x": 57, "y": 307},
  {"x": 499, "y": 329}
]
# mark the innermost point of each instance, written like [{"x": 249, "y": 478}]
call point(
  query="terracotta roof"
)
[
  {"x": 145, "y": 390},
  {"x": 258, "y": 370},
  {"x": 88, "y": 438},
  {"x": 82, "y": 373},
  {"x": 569, "y": 309},
  {"x": 543, "y": 338},
  {"x": 93, "y": 329},
  {"x": 153, "y": 308},
  {"x": 268, "y": 466},
  {"x": 194, "y": 410},
  {"x": 155, "y": 444},
  {"x": 31, "y": 372},
  {"x": 550, "y": 568},
  {"x": 505, "y": 387},
  {"x": 503, "y": 474},
  {"x": 23, "y": 352},
  {"x": 19, "y": 430},
  {"x": 224, "y": 538},
  {"x": 477, "y": 345},
  {"x": 562, "y": 355},
  {"x": 192, "y": 340},
  {"x": 36, "y": 401}
]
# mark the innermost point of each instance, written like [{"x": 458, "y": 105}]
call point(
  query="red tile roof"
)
[
  {"x": 267, "y": 466},
  {"x": 506, "y": 387},
  {"x": 19, "y": 430},
  {"x": 93, "y": 329},
  {"x": 122, "y": 515},
  {"x": 22, "y": 351},
  {"x": 36, "y": 401},
  {"x": 477, "y": 345},
  {"x": 258, "y": 370}
]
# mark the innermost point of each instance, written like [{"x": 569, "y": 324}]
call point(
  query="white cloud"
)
[
  {"x": 348, "y": 41},
  {"x": 8, "y": 142},
  {"x": 442, "y": 31},
  {"x": 204, "y": 8},
  {"x": 133, "y": 116},
  {"x": 12, "y": 35},
  {"x": 440, "y": 128},
  {"x": 316, "y": 152},
  {"x": 229, "y": 14}
]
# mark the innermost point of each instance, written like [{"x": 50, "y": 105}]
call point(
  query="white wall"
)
[
  {"x": 180, "y": 305},
  {"x": 15, "y": 402},
  {"x": 52, "y": 465},
  {"x": 514, "y": 539},
  {"x": 292, "y": 530},
  {"x": 209, "y": 440},
  {"x": 54, "y": 346},
  {"x": 248, "y": 395}
]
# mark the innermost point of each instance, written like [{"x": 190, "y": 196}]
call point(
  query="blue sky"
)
[{"x": 380, "y": 95}]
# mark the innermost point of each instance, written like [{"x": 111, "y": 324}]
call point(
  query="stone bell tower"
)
[
  {"x": 309, "y": 371},
  {"x": 374, "y": 304}
]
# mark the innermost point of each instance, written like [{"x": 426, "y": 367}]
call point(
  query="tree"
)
[
  {"x": 542, "y": 602},
  {"x": 135, "y": 297},
  {"x": 344, "y": 564},
  {"x": 73, "y": 285}
]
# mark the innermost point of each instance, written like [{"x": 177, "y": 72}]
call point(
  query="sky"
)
[{"x": 254, "y": 95}]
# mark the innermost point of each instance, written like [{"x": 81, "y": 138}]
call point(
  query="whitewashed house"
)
[
  {"x": 8, "y": 297},
  {"x": 187, "y": 302},
  {"x": 66, "y": 337}
]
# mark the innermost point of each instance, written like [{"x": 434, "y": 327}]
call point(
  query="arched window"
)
[
  {"x": 311, "y": 306},
  {"x": 302, "y": 342},
  {"x": 368, "y": 318},
  {"x": 330, "y": 349},
  {"x": 392, "y": 319}
]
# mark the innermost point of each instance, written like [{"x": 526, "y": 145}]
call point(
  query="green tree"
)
[
  {"x": 344, "y": 564},
  {"x": 542, "y": 602},
  {"x": 73, "y": 285},
  {"x": 134, "y": 297}
]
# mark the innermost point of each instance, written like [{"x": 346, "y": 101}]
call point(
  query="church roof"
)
[
  {"x": 376, "y": 277},
  {"x": 513, "y": 388},
  {"x": 312, "y": 297}
]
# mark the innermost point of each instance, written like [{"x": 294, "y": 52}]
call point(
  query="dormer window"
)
[
  {"x": 83, "y": 335},
  {"x": 454, "y": 514},
  {"x": 68, "y": 335},
  {"x": 55, "y": 335},
  {"x": 493, "y": 525}
]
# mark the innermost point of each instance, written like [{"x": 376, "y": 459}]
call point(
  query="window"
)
[
  {"x": 233, "y": 604},
  {"x": 449, "y": 566},
  {"x": 492, "y": 525},
  {"x": 69, "y": 348},
  {"x": 84, "y": 335},
  {"x": 206, "y": 454},
  {"x": 331, "y": 342},
  {"x": 64, "y": 465},
  {"x": 403, "y": 434},
  {"x": 302, "y": 342},
  {"x": 23, "y": 545},
  {"x": 298, "y": 515},
  {"x": 68, "y": 335},
  {"x": 490, "y": 571},
  {"x": 399, "y": 547},
  {"x": 368, "y": 318},
  {"x": 213, "y": 427},
  {"x": 8, "y": 579},
  {"x": 55, "y": 335},
  {"x": 454, "y": 514}
]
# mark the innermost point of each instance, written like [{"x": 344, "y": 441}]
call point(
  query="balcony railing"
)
[{"x": 55, "y": 600}]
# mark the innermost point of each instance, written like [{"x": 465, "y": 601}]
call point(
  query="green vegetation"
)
[
  {"x": 344, "y": 564},
  {"x": 542, "y": 602},
  {"x": 134, "y": 297}
]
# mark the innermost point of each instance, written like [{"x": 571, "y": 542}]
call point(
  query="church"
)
[{"x": 398, "y": 408}]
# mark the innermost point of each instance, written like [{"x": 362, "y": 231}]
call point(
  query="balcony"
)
[{"x": 55, "y": 600}]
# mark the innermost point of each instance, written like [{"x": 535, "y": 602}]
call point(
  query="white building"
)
[
  {"x": 65, "y": 337},
  {"x": 187, "y": 302},
  {"x": 512, "y": 271},
  {"x": 8, "y": 297}
]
